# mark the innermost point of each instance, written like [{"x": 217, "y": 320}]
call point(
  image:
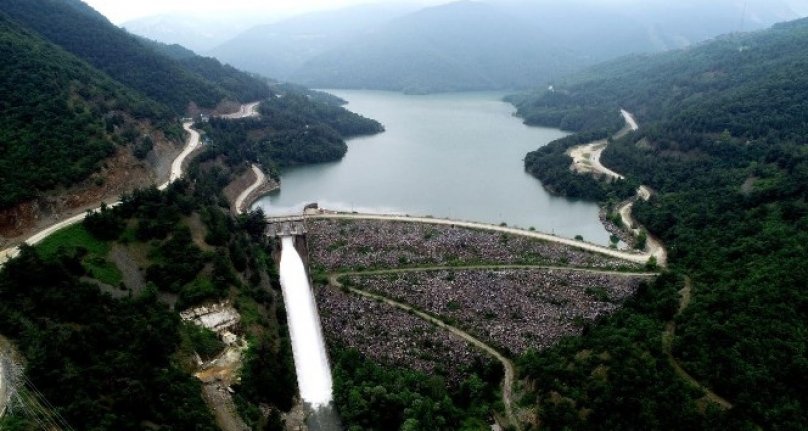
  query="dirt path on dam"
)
[{"x": 508, "y": 366}]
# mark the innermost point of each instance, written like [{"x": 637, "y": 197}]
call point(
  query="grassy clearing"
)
[
  {"x": 94, "y": 261},
  {"x": 70, "y": 239}
]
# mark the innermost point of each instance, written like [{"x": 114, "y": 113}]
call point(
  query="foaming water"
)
[{"x": 308, "y": 347}]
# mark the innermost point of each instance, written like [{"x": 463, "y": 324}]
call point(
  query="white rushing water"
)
[{"x": 308, "y": 347}]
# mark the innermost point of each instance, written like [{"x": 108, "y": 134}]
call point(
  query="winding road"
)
[
  {"x": 193, "y": 143},
  {"x": 260, "y": 179},
  {"x": 176, "y": 173},
  {"x": 586, "y": 158}
]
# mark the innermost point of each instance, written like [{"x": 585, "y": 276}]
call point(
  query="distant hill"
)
[
  {"x": 278, "y": 50},
  {"x": 722, "y": 141},
  {"x": 456, "y": 47},
  {"x": 501, "y": 44},
  {"x": 59, "y": 118},
  {"x": 600, "y": 31},
  {"x": 82, "y": 31},
  {"x": 198, "y": 32}
]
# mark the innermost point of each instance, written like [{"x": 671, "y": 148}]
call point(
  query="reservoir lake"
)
[{"x": 457, "y": 155}]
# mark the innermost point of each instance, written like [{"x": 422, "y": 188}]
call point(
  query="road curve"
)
[
  {"x": 177, "y": 164},
  {"x": 176, "y": 173},
  {"x": 653, "y": 246},
  {"x": 586, "y": 159},
  {"x": 247, "y": 110},
  {"x": 260, "y": 178},
  {"x": 510, "y": 370}
]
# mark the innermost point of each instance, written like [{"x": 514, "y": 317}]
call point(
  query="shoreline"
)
[{"x": 262, "y": 186}]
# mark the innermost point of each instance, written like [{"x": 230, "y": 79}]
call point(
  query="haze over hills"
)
[
  {"x": 480, "y": 45},
  {"x": 92, "y": 110},
  {"x": 282, "y": 49},
  {"x": 198, "y": 32}
]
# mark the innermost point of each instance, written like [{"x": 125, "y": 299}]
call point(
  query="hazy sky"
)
[{"x": 120, "y": 11}]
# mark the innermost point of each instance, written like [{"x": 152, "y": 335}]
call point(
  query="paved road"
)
[{"x": 260, "y": 178}]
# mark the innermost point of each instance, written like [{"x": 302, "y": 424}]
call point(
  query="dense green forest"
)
[
  {"x": 294, "y": 129},
  {"x": 244, "y": 86},
  {"x": 722, "y": 142},
  {"x": 108, "y": 351},
  {"x": 372, "y": 396},
  {"x": 75, "y": 87},
  {"x": 59, "y": 118},
  {"x": 82, "y": 31}
]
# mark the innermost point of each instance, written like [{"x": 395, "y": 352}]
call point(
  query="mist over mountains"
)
[{"x": 469, "y": 45}]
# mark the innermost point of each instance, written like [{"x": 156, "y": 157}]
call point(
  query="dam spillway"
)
[{"x": 308, "y": 347}]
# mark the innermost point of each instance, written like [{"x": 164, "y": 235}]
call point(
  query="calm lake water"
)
[{"x": 450, "y": 155}]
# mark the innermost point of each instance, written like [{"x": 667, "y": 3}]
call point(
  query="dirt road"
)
[
  {"x": 586, "y": 159},
  {"x": 260, "y": 179},
  {"x": 667, "y": 345},
  {"x": 176, "y": 173},
  {"x": 510, "y": 370},
  {"x": 247, "y": 110},
  {"x": 177, "y": 164},
  {"x": 628, "y": 256}
]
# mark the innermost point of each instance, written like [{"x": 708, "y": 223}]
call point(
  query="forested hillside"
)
[
  {"x": 247, "y": 87},
  {"x": 723, "y": 143},
  {"x": 77, "y": 90},
  {"x": 94, "y": 310},
  {"x": 80, "y": 30},
  {"x": 59, "y": 118},
  {"x": 294, "y": 129}
]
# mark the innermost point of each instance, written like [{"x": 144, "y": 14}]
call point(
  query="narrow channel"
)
[{"x": 308, "y": 347}]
